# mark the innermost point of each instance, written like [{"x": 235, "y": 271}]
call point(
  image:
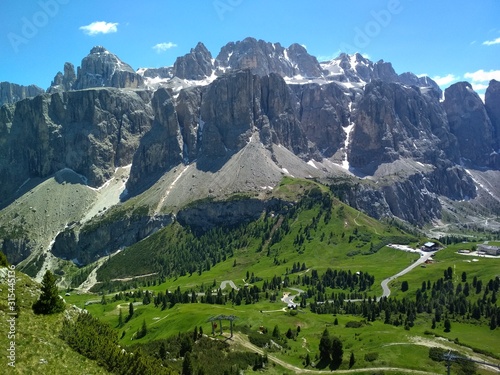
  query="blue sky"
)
[{"x": 447, "y": 40}]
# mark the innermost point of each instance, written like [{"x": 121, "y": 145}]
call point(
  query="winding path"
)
[
  {"x": 237, "y": 338},
  {"x": 386, "y": 292},
  {"x": 231, "y": 283}
]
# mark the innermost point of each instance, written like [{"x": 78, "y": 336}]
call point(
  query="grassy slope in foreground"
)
[{"x": 39, "y": 350}]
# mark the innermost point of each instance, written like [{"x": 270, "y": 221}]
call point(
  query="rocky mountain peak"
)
[
  {"x": 263, "y": 58},
  {"x": 195, "y": 65},
  {"x": 102, "y": 68},
  {"x": 63, "y": 81}
]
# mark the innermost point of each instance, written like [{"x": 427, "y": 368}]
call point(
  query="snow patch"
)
[{"x": 311, "y": 163}]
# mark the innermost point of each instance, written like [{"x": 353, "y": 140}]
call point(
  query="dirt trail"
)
[{"x": 237, "y": 338}]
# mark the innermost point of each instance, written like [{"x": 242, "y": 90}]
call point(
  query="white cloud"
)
[
  {"x": 491, "y": 42},
  {"x": 162, "y": 47},
  {"x": 100, "y": 27},
  {"x": 445, "y": 80},
  {"x": 479, "y": 86},
  {"x": 482, "y": 76}
]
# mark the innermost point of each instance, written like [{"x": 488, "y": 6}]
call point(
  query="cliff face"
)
[
  {"x": 89, "y": 243},
  {"x": 90, "y": 131},
  {"x": 395, "y": 121},
  {"x": 492, "y": 100},
  {"x": 213, "y": 123},
  {"x": 471, "y": 125},
  {"x": 11, "y": 92}
]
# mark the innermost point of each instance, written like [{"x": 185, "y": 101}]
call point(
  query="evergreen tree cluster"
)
[
  {"x": 193, "y": 353},
  {"x": 443, "y": 300},
  {"x": 98, "y": 341}
]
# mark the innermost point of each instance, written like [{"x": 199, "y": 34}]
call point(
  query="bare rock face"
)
[
  {"x": 206, "y": 216},
  {"x": 101, "y": 68},
  {"x": 492, "y": 104},
  {"x": 63, "y": 81},
  {"x": 213, "y": 123},
  {"x": 90, "y": 131},
  {"x": 324, "y": 113},
  {"x": 195, "y": 65},
  {"x": 394, "y": 121},
  {"x": 90, "y": 242},
  {"x": 470, "y": 124},
  {"x": 11, "y": 92},
  {"x": 161, "y": 147},
  {"x": 263, "y": 58}
]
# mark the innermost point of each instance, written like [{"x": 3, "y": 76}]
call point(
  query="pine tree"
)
[
  {"x": 49, "y": 301},
  {"x": 144, "y": 329},
  {"x": 187, "y": 365},
  {"x": 325, "y": 346},
  {"x": 447, "y": 325},
  {"x": 493, "y": 322},
  {"x": 352, "y": 360},
  {"x": 308, "y": 360},
  {"x": 120, "y": 319},
  {"x": 404, "y": 286},
  {"x": 276, "y": 332},
  {"x": 337, "y": 351},
  {"x": 163, "y": 351},
  {"x": 130, "y": 310}
]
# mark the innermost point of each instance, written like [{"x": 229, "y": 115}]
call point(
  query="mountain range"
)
[{"x": 107, "y": 155}]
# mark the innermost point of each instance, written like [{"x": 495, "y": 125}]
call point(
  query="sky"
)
[{"x": 449, "y": 41}]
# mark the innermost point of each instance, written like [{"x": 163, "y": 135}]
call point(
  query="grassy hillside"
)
[
  {"x": 38, "y": 348},
  {"x": 317, "y": 230},
  {"x": 156, "y": 293}
]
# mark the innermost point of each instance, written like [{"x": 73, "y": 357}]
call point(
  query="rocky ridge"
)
[
  {"x": 235, "y": 125},
  {"x": 11, "y": 92}
]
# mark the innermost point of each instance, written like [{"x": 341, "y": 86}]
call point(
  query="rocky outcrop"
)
[
  {"x": 63, "y": 81},
  {"x": 324, "y": 114},
  {"x": 394, "y": 121},
  {"x": 11, "y": 92},
  {"x": 197, "y": 64},
  {"x": 213, "y": 123},
  {"x": 161, "y": 147},
  {"x": 414, "y": 199},
  {"x": 16, "y": 249},
  {"x": 207, "y": 215},
  {"x": 492, "y": 104},
  {"x": 469, "y": 122},
  {"x": 90, "y": 131},
  {"x": 94, "y": 240},
  {"x": 101, "y": 68},
  {"x": 424, "y": 81},
  {"x": 262, "y": 58},
  {"x": 165, "y": 72}
]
